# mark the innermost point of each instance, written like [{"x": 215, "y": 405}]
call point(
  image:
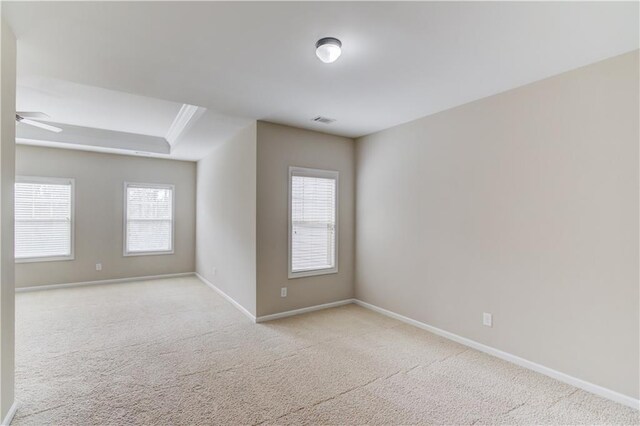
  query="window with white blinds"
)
[
  {"x": 313, "y": 196},
  {"x": 148, "y": 219},
  {"x": 43, "y": 219}
]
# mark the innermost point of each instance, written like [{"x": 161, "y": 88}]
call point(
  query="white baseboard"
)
[
  {"x": 113, "y": 281},
  {"x": 271, "y": 317},
  {"x": 12, "y": 412},
  {"x": 265, "y": 318},
  {"x": 573, "y": 381},
  {"x": 227, "y": 297}
]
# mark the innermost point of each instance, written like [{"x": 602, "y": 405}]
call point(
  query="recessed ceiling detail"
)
[
  {"x": 89, "y": 138},
  {"x": 97, "y": 119}
]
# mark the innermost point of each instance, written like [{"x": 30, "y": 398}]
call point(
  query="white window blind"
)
[
  {"x": 313, "y": 195},
  {"x": 43, "y": 219},
  {"x": 149, "y": 219}
]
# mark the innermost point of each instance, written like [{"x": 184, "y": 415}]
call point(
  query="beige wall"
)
[
  {"x": 226, "y": 217},
  {"x": 524, "y": 205},
  {"x": 99, "y": 202},
  {"x": 278, "y": 148},
  {"x": 7, "y": 172}
]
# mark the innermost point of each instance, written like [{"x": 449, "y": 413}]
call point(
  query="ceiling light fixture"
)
[{"x": 328, "y": 49}]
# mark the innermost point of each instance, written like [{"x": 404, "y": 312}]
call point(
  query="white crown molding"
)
[{"x": 187, "y": 115}]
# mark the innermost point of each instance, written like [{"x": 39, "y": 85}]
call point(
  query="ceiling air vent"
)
[{"x": 323, "y": 120}]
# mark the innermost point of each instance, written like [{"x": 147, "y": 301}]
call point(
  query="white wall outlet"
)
[
  {"x": 487, "y": 319},
  {"x": 283, "y": 292},
  {"x": 213, "y": 270},
  {"x": 98, "y": 266}
]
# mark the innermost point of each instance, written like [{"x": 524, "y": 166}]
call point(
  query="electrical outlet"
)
[
  {"x": 487, "y": 319},
  {"x": 213, "y": 270},
  {"x": 283, "y": 292},
  {"x": 98, "y": 266}
]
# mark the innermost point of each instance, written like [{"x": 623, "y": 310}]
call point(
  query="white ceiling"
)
[
  {"x": 89, "y": 106},
  {"x": 255, "y": 60}
]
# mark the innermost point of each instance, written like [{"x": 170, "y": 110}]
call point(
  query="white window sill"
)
[
  {"x": 148, "y": 253},
  {"x": 312, "y": 273},
  {"x": 44, "y": 259}
]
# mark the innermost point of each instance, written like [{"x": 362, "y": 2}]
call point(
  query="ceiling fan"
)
[{"x": 30, "y": 117}]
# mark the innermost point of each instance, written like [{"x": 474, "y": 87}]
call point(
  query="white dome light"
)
[{"x": 328, "y": 49}]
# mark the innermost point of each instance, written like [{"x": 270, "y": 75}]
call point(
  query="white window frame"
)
[
  {"x": 125, "y": 252},
  {"x": 318, "y": 173},
  {"x": 53, "y": 181}
]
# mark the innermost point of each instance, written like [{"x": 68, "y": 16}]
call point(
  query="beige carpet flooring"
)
[{"x": 173, "y": 352}]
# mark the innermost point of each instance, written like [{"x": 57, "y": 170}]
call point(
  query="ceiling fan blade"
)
[
  {"x": 32, "y": 114},
  {"x": 41, "y": 125}
]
